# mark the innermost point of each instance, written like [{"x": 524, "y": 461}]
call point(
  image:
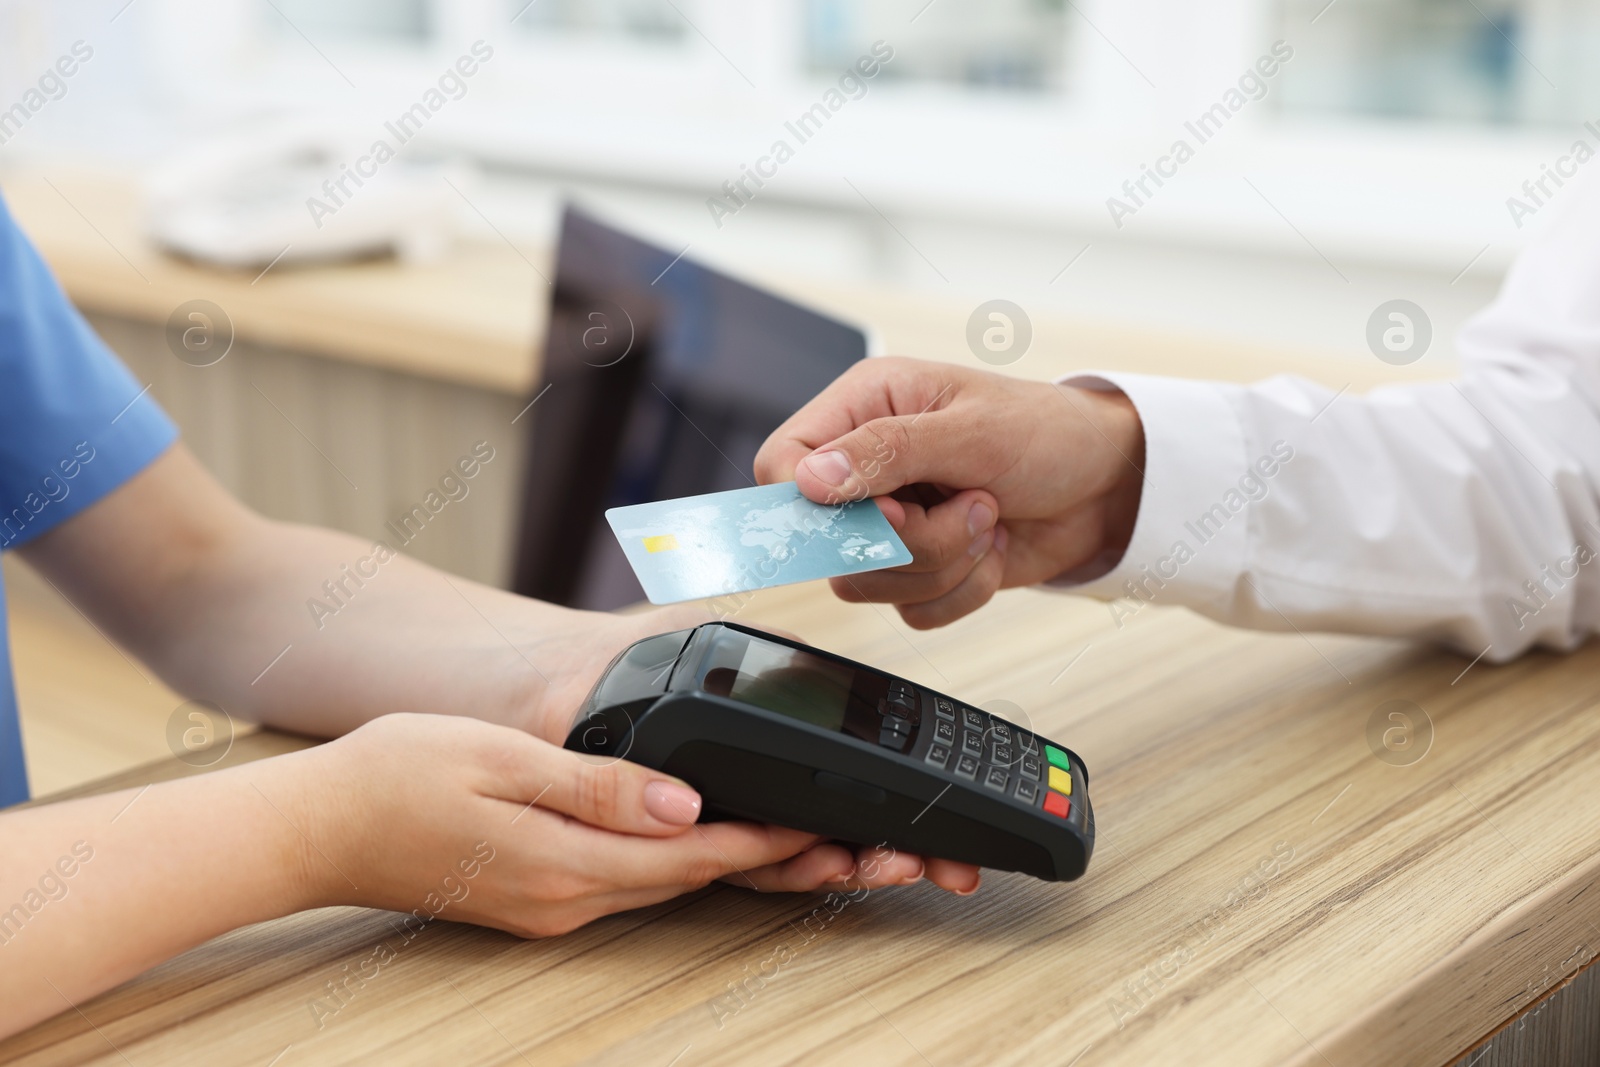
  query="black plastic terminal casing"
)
[{"x": 651, "y": 707}]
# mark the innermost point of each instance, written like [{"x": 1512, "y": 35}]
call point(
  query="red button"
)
[{"x": 1056, "y": 804}]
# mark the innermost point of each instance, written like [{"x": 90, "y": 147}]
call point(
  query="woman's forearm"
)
[
  {"x": 282, "y": 628},
  {"x": 97, "y": 890},
  {"x": 298, "y": 627}
]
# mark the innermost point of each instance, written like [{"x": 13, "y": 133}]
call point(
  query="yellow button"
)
[
  {"x": 661, "y": 543},
  {"x": 1060, "y": 781}
]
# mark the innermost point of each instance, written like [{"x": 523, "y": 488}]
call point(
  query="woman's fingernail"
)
[
  {"x": 830, "y": 468},
  {"x": 672, "y": 803},
  {"x": 969, "y": 892},
  {"x": 979, "y": 519},
  {"x": 981, "y": 545},
  {"x": 912, "y": 879}
]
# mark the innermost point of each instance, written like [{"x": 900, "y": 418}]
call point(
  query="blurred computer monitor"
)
[{"x": 661, "y": 378}]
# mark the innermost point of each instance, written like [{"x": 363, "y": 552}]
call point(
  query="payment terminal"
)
[{"x": 775, "y": 731}]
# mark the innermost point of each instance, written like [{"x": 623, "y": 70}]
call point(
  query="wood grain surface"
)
[{"x": 1266, "y": 888}]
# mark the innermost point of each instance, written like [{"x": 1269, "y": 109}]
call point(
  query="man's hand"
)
[{"x": 991, "y": 482}]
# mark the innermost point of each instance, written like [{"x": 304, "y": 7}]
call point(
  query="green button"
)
[{"x": 1057, "y": 757}]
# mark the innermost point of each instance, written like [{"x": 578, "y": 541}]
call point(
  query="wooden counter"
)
[{"x": 1266, "y": 889}]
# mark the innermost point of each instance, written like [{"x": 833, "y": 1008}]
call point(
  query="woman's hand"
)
[
  {"x": 436, "y": 816},
  {"x": 992, "y": 482},
  {"x": 452, "y": 817}
]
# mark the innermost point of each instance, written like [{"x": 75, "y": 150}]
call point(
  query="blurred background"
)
[
  {"x": 1390, "y": 141},
  {"x": 334, "y": 382}
]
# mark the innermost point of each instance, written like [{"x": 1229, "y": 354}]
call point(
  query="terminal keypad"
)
[{"x": 999, "y": 757}]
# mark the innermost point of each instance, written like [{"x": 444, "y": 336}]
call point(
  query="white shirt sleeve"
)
[{"x": 1465, "y": 512}]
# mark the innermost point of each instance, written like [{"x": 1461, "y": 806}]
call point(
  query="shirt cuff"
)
[{"x": 1190, "y": 539}]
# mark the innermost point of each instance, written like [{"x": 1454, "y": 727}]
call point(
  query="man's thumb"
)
[{"x": 874, "y": 459}]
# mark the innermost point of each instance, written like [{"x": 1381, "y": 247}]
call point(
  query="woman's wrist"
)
[
  {"x": 592, "y": 639},
  {"x": 316, "y": 803}
]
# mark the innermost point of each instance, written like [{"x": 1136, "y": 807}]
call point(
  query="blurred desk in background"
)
[
  {"x": 348, "y": 391},
  {"x": 468, "y": 320}
]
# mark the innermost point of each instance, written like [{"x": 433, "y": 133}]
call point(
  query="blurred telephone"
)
[{"x": 300, "y": 192}]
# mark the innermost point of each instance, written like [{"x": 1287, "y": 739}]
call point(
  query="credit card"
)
[{"x": 745, "y": 539}]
